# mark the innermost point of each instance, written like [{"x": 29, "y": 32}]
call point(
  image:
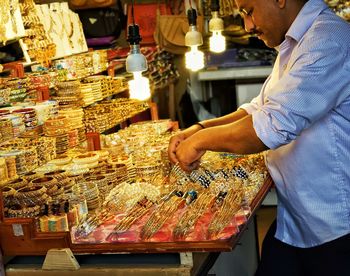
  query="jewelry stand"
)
[
  {"x": 72, "y": 26},
  {"x": 40, "y": 12},
  {"x": 14, "y": 27},
  {"x": 51, "y": 29},
  {"x": 78, "y": 37},
  {"x": 60, "y": 27},
  {"x": 36, "y": 44},
  {"x": 57, "y": 32},
  {"x": 24, "y": 48}
]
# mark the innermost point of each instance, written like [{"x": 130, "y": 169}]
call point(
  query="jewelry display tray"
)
[{"x": 19, "y": 237}]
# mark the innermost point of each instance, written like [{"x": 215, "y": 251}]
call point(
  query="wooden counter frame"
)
[{"x": 35, "y": 243}]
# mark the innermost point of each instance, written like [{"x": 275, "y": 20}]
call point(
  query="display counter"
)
[
  {"x": 128, "y": 198},
  {"x": 19, "y": 237}
]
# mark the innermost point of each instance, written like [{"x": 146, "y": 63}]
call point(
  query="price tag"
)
[{"x": 17, "y": 230}]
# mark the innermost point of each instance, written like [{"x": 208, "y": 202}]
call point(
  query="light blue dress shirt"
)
[{"x": 303, "y": 115}]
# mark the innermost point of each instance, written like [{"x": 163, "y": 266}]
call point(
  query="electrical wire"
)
[{"x": 132, "y": 12}]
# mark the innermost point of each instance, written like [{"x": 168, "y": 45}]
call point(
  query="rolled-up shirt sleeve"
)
[
  {"x": 250, "y": 107},
  {"x": 299, "y": 98},
  {"x": 254, "y": 104}
]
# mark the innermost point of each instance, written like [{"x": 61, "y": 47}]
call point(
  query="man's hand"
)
[
  {"x": 173, "y": 144},
  {"x": 187, "y": 155},
  {"x": 177, "y": 139}
]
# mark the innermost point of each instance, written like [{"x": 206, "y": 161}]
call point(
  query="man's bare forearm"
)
[
  {"x": 237, "y": 137},
  {"x": 227, "y": 119}
]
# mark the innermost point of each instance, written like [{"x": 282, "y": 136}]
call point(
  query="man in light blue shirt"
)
[{"x": 303, "y": 116}]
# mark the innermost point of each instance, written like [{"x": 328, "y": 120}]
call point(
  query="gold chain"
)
[
  {"x": 4, "y": 18},
  {"x": 13, "y": 7}
]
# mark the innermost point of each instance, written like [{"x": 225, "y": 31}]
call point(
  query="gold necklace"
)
[
  {"x": 67, "y": 22},
  {"x": 13, "y": 7},
  {"x": 4, "y": 18},
  {"x": 46, "y": 25},
  {"x": 55, "y": 24},
  {"x": 68, "y": 26}
]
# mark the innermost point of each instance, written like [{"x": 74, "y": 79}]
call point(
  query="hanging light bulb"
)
[
  {"x": 217, "y": 42},
  {"x": 193, "y": 39},
  {"x": 136, "y": 63},
  {"x": 139, "y": 87}
]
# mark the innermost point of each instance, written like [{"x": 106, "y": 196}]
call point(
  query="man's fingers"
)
[
  {"x": 172, "y": 151},
  {"x": 195, "y": 164},
  {"x": 172, "y": 157},
  {"x": 190, "y": 167}
]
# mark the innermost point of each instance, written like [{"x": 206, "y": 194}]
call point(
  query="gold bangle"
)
[
  {"x": 60, "y": 175},
  {"x": 86, "y": 158},
  {"x": 63, "y": 160},
  {"x": 31, "y": 175},
  {"x": 47, "y": 182},
  {"x": 8, "y": 191},
  {"x": 18, "y": 183},
  {"x": 30, "y": 192}
]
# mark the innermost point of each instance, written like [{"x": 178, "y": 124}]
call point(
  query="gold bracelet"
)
[
  {"x": 30, "y": 192},
  {"x": 7, "y": 191},
  {"x": 18, "y": 183},
  {"x": 47, "y": 182},
  {"x": 63, "y": 160},
  {"x": 86, "y": 158}
]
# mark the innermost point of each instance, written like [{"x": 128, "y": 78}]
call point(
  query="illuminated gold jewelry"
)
[
  {"x": 13, "y": 7},
  {"x": 4, "y": 18},
  {"x": 134, "y": 214},
  {"x": 193, "y": 212},
  {"x": 160, "y": 215},
  {"x": 232, "y": 204}
]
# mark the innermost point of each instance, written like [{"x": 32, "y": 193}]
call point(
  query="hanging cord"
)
[
  {"x": 132, "y": 12},
  {"x": 134, "y": 37},
  {"x": 191, "y": 15},
  {"x": 192, "y": 7}
]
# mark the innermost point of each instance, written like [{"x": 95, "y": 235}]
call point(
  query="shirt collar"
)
[{"x": 305, "y": 18}]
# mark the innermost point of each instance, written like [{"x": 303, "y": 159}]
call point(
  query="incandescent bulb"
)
[
  {"x": 194, "y": 59},
  {"x": 139, "y": 87}
]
